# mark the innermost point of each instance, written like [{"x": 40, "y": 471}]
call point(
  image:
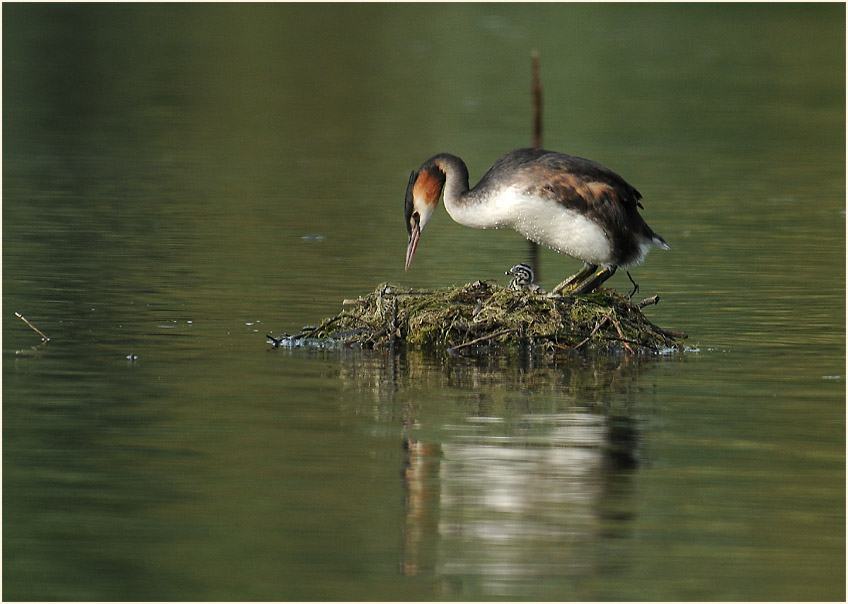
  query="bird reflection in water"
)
[
  {"x": 511, "y": 507},
  {"x": 512, "y": 472},
  {"x": 500, "y": 501}
]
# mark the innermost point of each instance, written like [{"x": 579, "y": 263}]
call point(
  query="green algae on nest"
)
[{"x": 484, "y": 316}]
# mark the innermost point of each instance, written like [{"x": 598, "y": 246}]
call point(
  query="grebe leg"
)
[
  {"x": 635, "y": 286},
  {"x": 595, "y": 281},
  {"x": 575, "y": 279}
]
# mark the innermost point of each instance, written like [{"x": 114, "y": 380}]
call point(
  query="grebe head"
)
[
  {"x": 523, "y": 274},
  {"x": 422, "y": 196}
]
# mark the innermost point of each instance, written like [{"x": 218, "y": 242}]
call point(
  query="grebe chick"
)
[
  {"x": 523, "y": 278},
  {"x": 573, "y": 205}
]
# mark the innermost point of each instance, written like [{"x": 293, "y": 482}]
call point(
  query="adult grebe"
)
[{"x": 573, "y": 205}]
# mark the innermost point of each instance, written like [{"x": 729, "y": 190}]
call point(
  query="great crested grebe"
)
[
  {"x": 523, "y": 277},
  {"x": 573, "y": 205}
]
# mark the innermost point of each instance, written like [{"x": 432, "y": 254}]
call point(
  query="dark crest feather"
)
[{"x": 408, "y": 201}]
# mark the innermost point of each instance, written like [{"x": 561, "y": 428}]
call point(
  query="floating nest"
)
[{"x": 483, "y": 317}]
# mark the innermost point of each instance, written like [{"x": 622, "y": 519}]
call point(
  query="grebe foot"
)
[
  {"x": 567, "y": 286},
  {"x": 635, "y": 286}
]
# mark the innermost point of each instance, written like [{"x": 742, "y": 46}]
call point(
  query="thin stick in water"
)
[
  {"x": 536, "y": 87},
  {"x": 537, "y": 101},
  {"x": 33, "y": 327}
]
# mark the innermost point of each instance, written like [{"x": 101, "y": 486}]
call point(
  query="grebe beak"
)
[
  {"x": 418, "y": 208},
  {"x": 414, "y": 235}
]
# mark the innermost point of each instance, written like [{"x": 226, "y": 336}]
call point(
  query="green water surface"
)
[{"x": 181, "y": 179}]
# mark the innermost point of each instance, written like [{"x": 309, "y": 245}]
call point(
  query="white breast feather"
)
[
  {"x": 544, "y": 222},
  {"x": 540, "y": 220},
  {"x": 566, "y": 231}
]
